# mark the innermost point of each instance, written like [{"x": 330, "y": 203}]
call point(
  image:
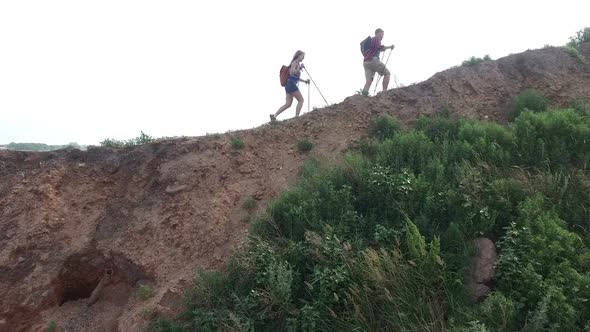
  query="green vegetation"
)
[
  {"x": 384, "y": 126},
  {"x": 237, "y": 143},
  {"x": 581, "y": 37},
  {"x": 304, "y": 145},
  {"x": 249, "y": 203},
  {"x": 143, "y": 292},
  {"x": 381, "y": 242},
  {"x": 581, "y": 106},
  {"x": 41, "y": 146},
  {"x": 51, "y": 326},
  {"x": 475, "y": 61},
  {"x": 575, "y": 53},
  {"x": 117, "y": 144},
  {"x": 531, "y": 100}
]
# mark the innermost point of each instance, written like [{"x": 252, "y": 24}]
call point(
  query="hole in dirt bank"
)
[{"x": 85, "y": 275}]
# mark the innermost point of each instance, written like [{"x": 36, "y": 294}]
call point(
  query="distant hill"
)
[{"x": 40, "y": 146}]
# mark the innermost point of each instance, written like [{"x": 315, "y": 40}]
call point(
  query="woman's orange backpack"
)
[{"x": 284, "y": 75}]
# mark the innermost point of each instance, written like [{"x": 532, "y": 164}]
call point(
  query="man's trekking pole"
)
[
  {"x": 316, "y": 86},
  {"x": 378, "y": 79}
]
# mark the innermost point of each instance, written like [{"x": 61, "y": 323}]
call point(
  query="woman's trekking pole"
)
[
  {"x": 308, "y": 98},
  {"x": 378, "y": 79},
  {"x": 316, "y": 86}
]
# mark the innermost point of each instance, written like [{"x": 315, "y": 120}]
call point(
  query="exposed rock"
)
[
  {"x": 175, "y": 189},
  {"x": 483, "y": 268}
]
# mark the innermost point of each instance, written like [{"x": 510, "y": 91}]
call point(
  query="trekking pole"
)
[
  {"x": 316, "y": 86},
  {"x": 378, "y": 79},
  {"x": 308, "y": 98}
]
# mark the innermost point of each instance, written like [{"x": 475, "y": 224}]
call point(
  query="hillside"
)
[{"x": 154, "y": 213}]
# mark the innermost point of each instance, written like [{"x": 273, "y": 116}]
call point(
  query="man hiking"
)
[{"x": 373, "y": 64}]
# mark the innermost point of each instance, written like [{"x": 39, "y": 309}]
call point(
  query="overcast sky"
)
[{"x": 81, "y": 71}]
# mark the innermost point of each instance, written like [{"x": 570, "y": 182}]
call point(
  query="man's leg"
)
[
  {"x": 386, "y": 75},
  {"x": 386, "y": 81},
  {"x": 369, "y": 74},
  {"x": 367, "y": 87}
]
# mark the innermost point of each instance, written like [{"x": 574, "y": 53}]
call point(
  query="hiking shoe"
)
[{"x": 273, "y": 118}]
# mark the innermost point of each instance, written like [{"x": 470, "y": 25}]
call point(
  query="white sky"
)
[{"x": 81, "y": 71}]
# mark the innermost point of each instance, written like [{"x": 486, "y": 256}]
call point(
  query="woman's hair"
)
[{"x": 297, "y": 54}]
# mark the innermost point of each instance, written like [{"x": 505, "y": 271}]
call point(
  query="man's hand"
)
[{"x": 392, "y": 47}]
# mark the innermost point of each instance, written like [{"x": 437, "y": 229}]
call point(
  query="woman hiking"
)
[{"x": 291, "y": 88}]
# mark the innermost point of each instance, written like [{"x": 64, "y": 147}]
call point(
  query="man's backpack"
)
[
  {"x": 366, "y": 45},
  {"x": 284, "y": 75}
]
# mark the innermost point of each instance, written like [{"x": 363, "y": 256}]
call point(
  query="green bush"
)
[
  {"x": 367, "y": 147},
  {"x": 581, "y": 106},
  {"x": 530, "y": 100},
  {"x": 117, "y": 144},
  {"x": 543, "y": 262},
  {"x": 237, "y": 143},
  {"x": 581, "y": 37},
  {"x": 249, "y": 203},
  {"x": 499, "y": 313},
  {"x": 304, "y": 145},
  {"x": 557, "y": 138},
  {"x": 575, "y": 54},
  {"x": 385, "y": 127},
  {"x": 475, "y": 61},
  {"x": 51, "y": 326},
  {"x": 411, "y": 150},
  {"x": 438, "y": 128},
  {"x": 383, "y": 242},
  {"x": 143, "y": 292}
]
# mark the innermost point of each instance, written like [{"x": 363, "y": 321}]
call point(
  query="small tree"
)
[{"x": 581, "y": 37}]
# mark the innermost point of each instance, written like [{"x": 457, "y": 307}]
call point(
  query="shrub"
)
[
  {"x": 540, "y": 262},
  {"x": 51, "y": 326},
  {"x": 557, "y": 138},
  {"x": 411, "y": 150},
  {"x": 499, "y": 312},
  {"x": 385, "y": 127},
  {"x": 368, "y": 147},
  {"x": 304, "y": 145},
  {"x": 438, "y": 128},
  {"x": 237, "y": 143},
  {"x": 143, "y": 292},
  {"x": 117, "y": 144},
  {"x": 249, "y": 203},
  {"x": 581, "y": 106},
  {"x": 581, "y": 37},
  {"x": 531, "y": 100},
  {"x": 575, "y": 54},
  {"x": 475, "y": 61},
  {"x": 383, "y": 243}
]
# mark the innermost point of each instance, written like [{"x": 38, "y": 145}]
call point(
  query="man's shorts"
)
[{"x": 374, "y": 66}]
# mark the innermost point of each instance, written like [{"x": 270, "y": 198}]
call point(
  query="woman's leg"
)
[
  {"x": 299, "y": 97},
  {"x": 288, "y": 102}
]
